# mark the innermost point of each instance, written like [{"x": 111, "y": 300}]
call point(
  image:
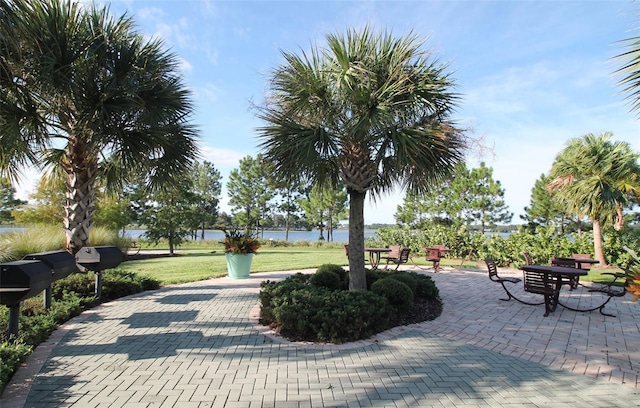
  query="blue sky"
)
[{"x": 532, "y": 74}]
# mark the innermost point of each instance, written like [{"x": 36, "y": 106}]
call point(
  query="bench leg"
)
[{"x": 599, "y": 308}]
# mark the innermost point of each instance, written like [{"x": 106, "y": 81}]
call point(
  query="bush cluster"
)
[
  {"x": 542, "y": 243},
  {"x": 319, "y": 307},
  {"x": 331, "y": 276},
  {"x": 116, "y": 283},
  {"x": 397, "y": 293},
  {"x": 70, "y": 296}
]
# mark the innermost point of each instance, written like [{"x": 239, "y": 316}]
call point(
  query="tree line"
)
[
  {"x": 192, "y": 205},
  {"x": 592, "y": 185}
]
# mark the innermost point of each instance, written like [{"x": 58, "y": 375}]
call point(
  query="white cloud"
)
[
  {"x": 150, "y": 13},
  {"x": 223, "y": 159},
  {"x": 164, "y": 31},
  {"x": 209, "y": 92},
  {"x": 184, "y": 65}
]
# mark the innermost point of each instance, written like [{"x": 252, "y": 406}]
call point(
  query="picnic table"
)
[
  {"x": 546, "y": 280},
  {"x": 374, "y": 256}
]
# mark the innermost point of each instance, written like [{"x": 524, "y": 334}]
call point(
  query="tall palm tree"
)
[
  {"x": 370, "y": 112},
  {"x": 630, "y": 71},
  {"x": 89, "y": 95},
  {"x": 596, "y": 177}
]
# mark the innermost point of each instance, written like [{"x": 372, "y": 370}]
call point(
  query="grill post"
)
[
  {"x": 97, "y": 259},
  {"x": 98, "y": 284},
  {"x": 14, "y": 319},
  {"x": 47, "y": 296}
]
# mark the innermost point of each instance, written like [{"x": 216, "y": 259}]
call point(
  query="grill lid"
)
[
  {"x": 99, "y": 258},
  {"x": 61, "y": 263}
]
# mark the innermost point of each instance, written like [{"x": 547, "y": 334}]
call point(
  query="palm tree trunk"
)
[
  {"x": 287, "y": 220},
  {"x": 597, "y": 243},
  {"x": 619, "y": 223},
  {"x": 357, "y": 272},
  {"x": 81, "y": 173}
]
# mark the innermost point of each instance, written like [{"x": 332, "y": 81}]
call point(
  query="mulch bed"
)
[{"x": 421, "y": 311}]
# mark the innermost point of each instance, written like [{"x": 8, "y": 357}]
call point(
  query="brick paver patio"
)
[{"x": 200, "y": 345}]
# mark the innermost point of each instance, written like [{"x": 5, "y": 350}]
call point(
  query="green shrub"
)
[
  {"x": 273, "y": 294},
  {"x": 374, "y": 275},
  {"x": 11, "y": 356},
  {"x": 300, "y": 278},
  {"x": 319, "y": 314},
  {"x": 426, "y": 288},
  {"x": 397, "y": 293},
  {"x": 422, "y": 286},
  {"x": 80, "y": 284},
  {"x": 116, "y": 283},
  {"x": 344, "y": 275},
  {"x": 352, "y": 315},
  {"x": 408, "y": 278},
  {"x": 330, "y": 276},
  {"x": 314, "y": 313},
  {"x": 37, "y": 323},
  {"x": 296, "y": 314}
]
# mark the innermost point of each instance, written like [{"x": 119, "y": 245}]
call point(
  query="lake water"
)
[{"x": 341, "y": 235}]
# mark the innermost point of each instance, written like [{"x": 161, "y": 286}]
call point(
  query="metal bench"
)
[
  {"x": 493, "y": 275},
  {"x": 567, "y": 263},
  {"x": 541, "y": 283},
  {"x": 397, "y": 258}
]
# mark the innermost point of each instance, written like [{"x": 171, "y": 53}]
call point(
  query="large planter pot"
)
[{"x": 239, "y": 265}]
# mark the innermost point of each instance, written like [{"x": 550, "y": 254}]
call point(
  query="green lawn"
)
[
  {"x": 198, "y": 264},
  {"x": 194, "y": 265}
]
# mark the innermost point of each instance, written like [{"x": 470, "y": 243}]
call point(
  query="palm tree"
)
[
  {"x": 630, "y": 71},
  {"x": 87, "y": 94},
  {"x": 369, "y": 112},
  {"x": 596, "y": 177}
]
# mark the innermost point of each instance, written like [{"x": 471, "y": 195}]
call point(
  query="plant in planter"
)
[{"x": 239, "y": 247}]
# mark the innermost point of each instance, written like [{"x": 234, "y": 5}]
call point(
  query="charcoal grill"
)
[
  {"x": 61, "y": 264},
  {"x": 98, "y": 259},
  {"x": 20, "y": 280}
]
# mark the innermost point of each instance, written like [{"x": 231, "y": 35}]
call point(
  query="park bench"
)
[{"x": 397, "y": 256}]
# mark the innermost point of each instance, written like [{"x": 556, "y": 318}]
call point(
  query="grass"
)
[
  {"x": 198, "y": 264},
  {"x": 204, "y": 263}
]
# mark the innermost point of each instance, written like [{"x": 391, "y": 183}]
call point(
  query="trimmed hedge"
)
[
  {"x": 399, "y": 295},
  {"x": 315, "y": 308}
]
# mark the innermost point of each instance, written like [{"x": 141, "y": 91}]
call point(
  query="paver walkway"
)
[{"x": 199, "y": 345}]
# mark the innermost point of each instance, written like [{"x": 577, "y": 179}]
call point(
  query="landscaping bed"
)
[{"x": 320, "y": 308}]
